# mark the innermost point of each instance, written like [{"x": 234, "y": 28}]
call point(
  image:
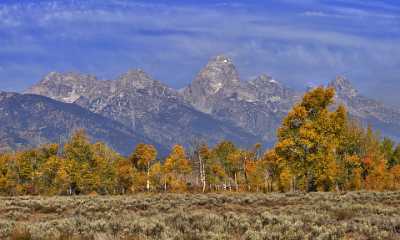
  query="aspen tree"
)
[
  {"x": 142, "y": 158},
  {"x": 176, "y": 168}
]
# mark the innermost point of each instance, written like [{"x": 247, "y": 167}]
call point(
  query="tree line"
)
[{"x": 318, "y": 148}]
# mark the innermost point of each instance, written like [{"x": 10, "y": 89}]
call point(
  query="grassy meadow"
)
[{"x": 352, "y": 215}]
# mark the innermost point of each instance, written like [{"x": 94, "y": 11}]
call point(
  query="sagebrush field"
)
[{"x": 353, "y": 215}]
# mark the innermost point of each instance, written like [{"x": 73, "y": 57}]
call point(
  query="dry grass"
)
[{"x": 354, "y": 215}]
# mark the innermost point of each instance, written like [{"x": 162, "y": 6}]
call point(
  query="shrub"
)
[
  {"x": 355, "y": 215},
  {"x": 20, "y": 233}
]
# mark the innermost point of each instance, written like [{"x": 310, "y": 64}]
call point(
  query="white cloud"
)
[
  {"x": 316, "y": 14},
  {"x": 354, "y": 12}
]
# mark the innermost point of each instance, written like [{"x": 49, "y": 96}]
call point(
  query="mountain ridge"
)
[
  {"x": 216, "y": 105},
  {"x": 147, "y": 106},
  {"x": 367, "y": 110},
  {"x": 28, "y": 120}
]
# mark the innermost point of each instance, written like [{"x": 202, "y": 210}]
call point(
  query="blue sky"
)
[{"x": 299, "y": 42}]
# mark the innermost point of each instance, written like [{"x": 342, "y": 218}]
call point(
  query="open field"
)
[{"x": 353, "y": 215}]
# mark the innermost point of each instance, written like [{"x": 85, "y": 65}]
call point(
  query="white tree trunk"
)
[
  {"x": 148, "y": 177},
  {"x": 202, "y": 173},
  {"x": 236, "y": 182}
]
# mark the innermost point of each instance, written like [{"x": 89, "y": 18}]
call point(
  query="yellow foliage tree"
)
[
  {"x": 308, "y": 138},
  {"x": 395, "y": 177},
  {"x": 124, "y": 175},
  {"x": 176, "y": 168},
  {"x": 48, "y": 174},
  {"x": 142, "y": 158},
  {"x": 234, "y": 160},
  {"x": 273, "y": 168}
]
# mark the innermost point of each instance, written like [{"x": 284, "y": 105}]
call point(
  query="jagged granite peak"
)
[
  {"x": 135, "y": 79},
  {"x": 68, "y": 77},
  {"x": 265, "y": 82},
  {"x": 65, "y": 87},
  {"x": 343, "y": 87},
  {"x": 219, "y": 72},
  {"x": 218, "y": 78},
  {"x": 256, "y": 106},
  {"x": 266, "y": 89},
  {"x": 264, "y": 78},
  {"x": 69, "y": 87}
]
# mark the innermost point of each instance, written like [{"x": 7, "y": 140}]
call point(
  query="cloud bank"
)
[{"x": 297, "y": 42}]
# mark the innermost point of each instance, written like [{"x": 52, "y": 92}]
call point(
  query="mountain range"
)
[{"x": 135, "y": 108}]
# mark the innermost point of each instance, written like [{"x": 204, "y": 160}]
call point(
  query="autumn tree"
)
[
  {"x": 124, "y": 176},
  {"x": 142, "y": 158},
  {"x": 78, "y": 153},
  {"x": 255, "y": 174},
  {"x": 387, "y": 148},
  {"x": 273, "y": 167},
  {"x": 228, "y": 163},
  {"x": 349, "y": 155},
  {"x": 8, "y": 174},
  {"x": 395, "y": 177},
  {"x": 26, "y": 163},
  {"x": 79, "y": 148},
  {"x": 395, "y": 160},
  {"x": 63, "y": 180},
  {"x": 105, "y": 164},
  {"x": 308, "y": 138},
  {"x": 235, "y": 166},
  {"x": 48, "y": 174},
  {"x": 202, "y": 153},
  {"x": 391, "y": 152},
  {"x": 156, "y": 175},
  {"x": 176, "y": 168}
]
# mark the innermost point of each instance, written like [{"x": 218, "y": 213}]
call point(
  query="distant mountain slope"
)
[
  {"x": 30, "y": 120},
  {"x": 369, "y": 111},
  {"x": 144, "y": 105},
  {"x": 216, "y": 105}
]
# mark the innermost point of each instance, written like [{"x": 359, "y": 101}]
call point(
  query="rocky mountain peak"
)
[
  {"x": 220, "y": 59},
  {"x": 135, "y": 79},
  {"x": 265, "y": 79},
  {"x": 343, "y": 87},
  {"x": 135, "y": 74},
  {"x": 266, "y": 89},
  {"x": 67, "y": 78},
  {"x": 66, "y": 87},
  {"x": 217, "y": 79},
  {"x": 220, "y": 72}
]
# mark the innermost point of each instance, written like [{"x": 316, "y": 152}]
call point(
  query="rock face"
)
[
  {"x": 144, "y": 105},
  {"x": 219, "y": 79},
  {"x": 65, "y": 87},
  {"x": 369, "y": 111},
  {"x": 257, "y": 106},
  {"x": 30, "y": 120}
]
